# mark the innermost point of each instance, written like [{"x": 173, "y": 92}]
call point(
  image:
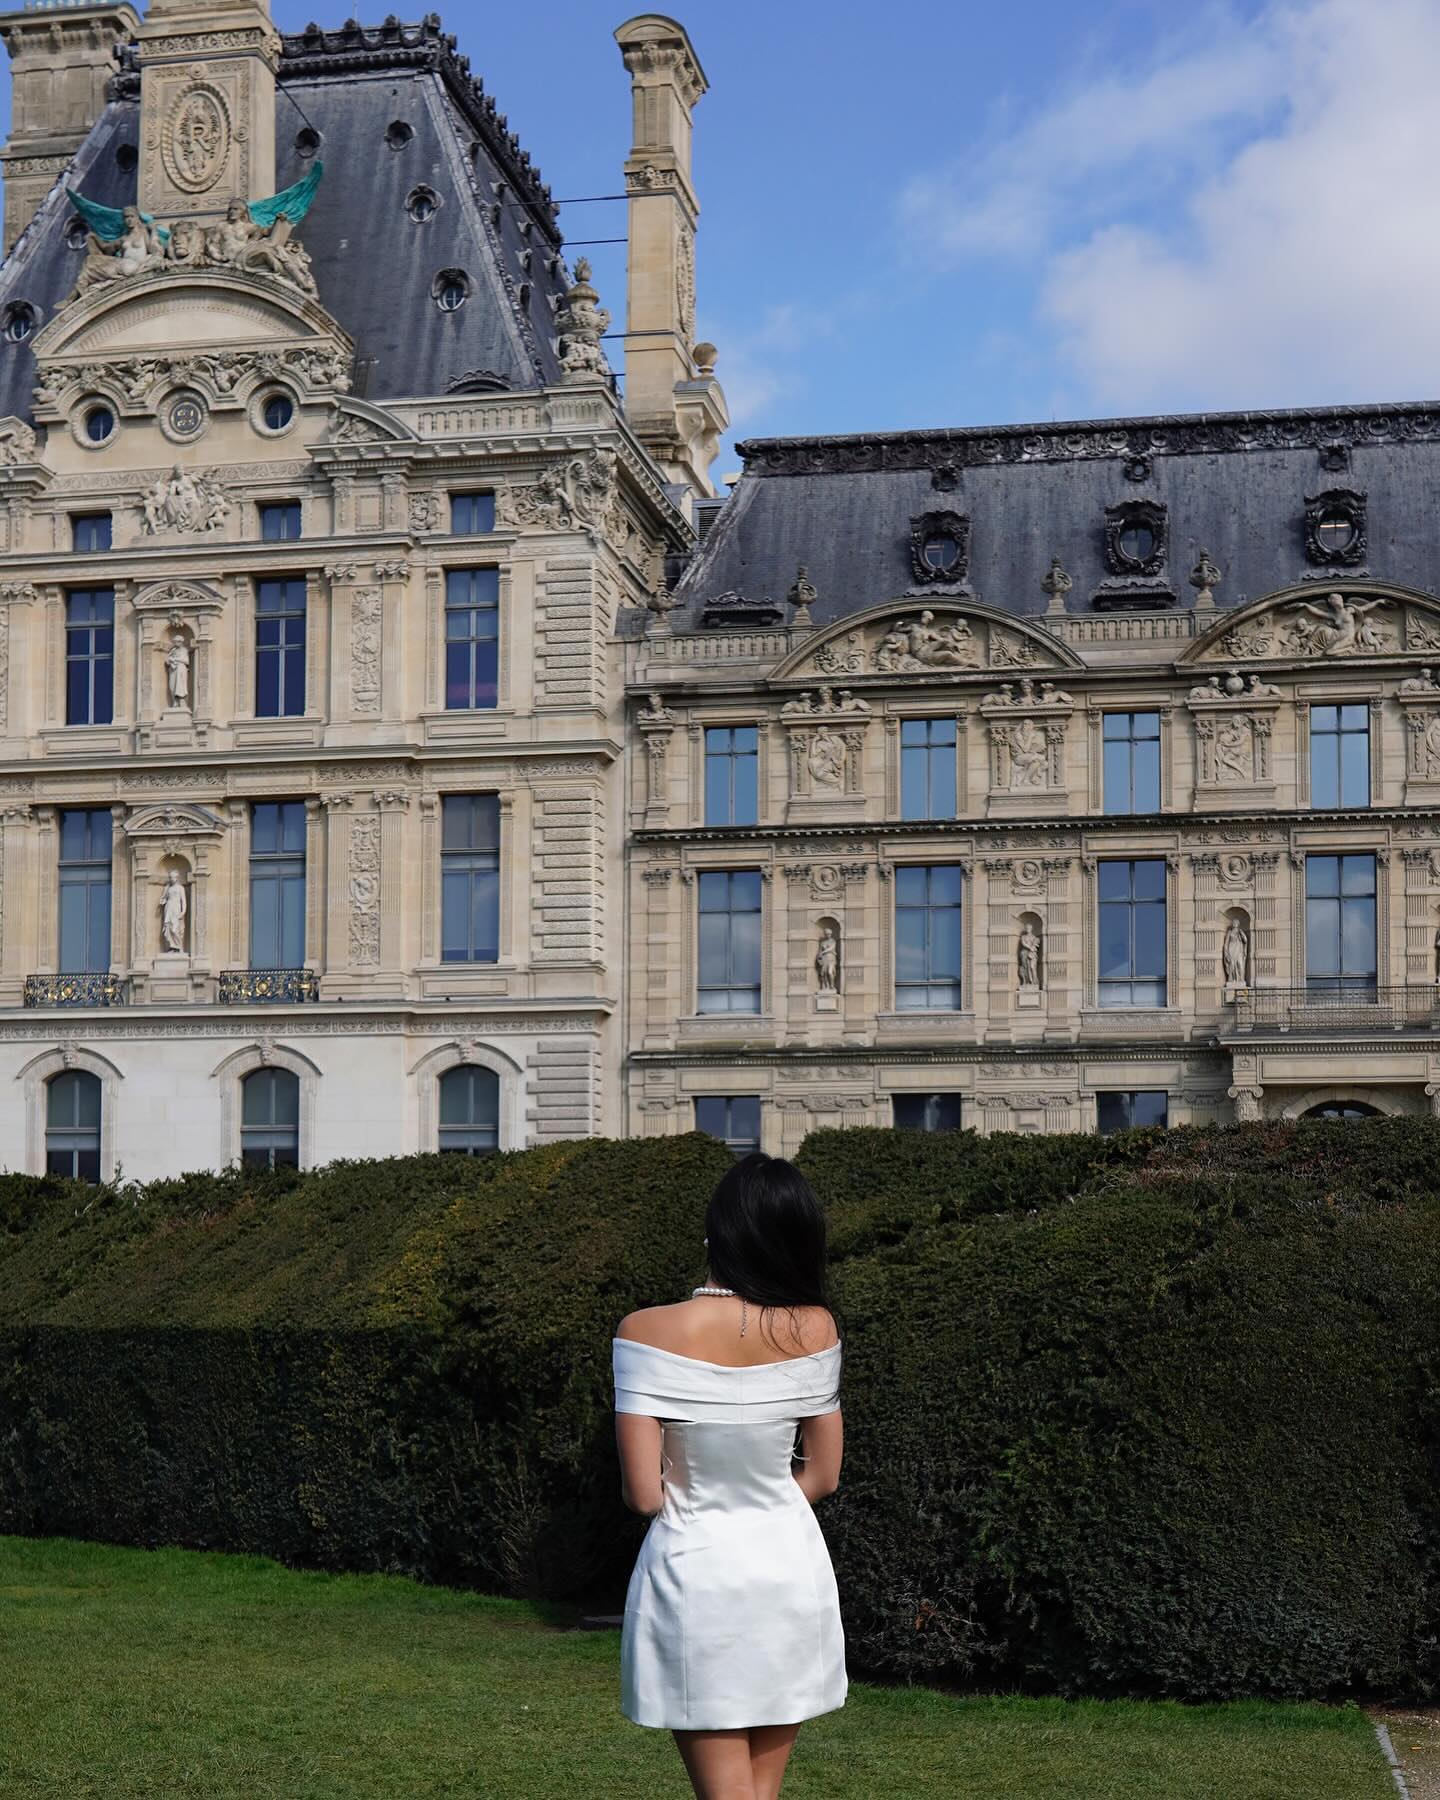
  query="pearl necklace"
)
[{"x": 723, "y": 1290}]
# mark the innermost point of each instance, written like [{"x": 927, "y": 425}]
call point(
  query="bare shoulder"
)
[
  {"x": 647, "y": 1325},
  {"x": 816, "y": 1327}
]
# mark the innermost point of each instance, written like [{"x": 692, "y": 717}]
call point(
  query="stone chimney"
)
[
  {"x": 207, "y": 105},
  {"x": 62, "y": 54},
  {"x": 674, "y": 403}
]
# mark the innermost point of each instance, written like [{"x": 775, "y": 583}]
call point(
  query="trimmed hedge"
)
[{"x": 1157, "y": 1413}]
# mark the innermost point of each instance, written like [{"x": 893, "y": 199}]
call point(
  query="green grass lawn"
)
[{"x": 130, "y": 1673}]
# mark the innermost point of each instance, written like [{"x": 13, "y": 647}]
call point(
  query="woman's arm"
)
[
  {"x": 638, "y": 1438},
  {"x": 823, "y": 1436}
]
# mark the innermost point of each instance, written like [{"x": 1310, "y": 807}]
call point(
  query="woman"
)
[{"x": 732, "y": 1619}]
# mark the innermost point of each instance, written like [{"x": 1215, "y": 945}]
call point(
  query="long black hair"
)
[{"x": 767, "y": 1238}]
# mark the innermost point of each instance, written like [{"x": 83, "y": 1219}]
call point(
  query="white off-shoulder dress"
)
[{"x": 732, "y": 1617}]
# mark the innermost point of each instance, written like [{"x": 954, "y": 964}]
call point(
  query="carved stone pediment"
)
[
  {"x": 932, "y": 639},
  {"x": 1310, "y": 624},
  {"x": 178, "y": 596},
  {"x": 358, "y": 422},
  {"x": 174, "y": 819},
  {"x": 212, "y": 335}
]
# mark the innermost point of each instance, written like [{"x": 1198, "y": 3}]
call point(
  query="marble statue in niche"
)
[
  {"x": 173, "y": 908},
  {"x": 1028, "y": 954},
  {"x": 827, "y": 959},
  {"x": 177, "y": 671},
  {"x": 1235, "y": 953}
]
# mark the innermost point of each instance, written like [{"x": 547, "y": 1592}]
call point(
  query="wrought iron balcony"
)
[
  {"x": 247, "y": 987},
  {"x": 1320, "y": 1011},
  {"x": 98, "y": 989}
]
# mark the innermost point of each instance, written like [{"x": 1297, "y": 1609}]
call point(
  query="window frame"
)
[
  {"x": 83, "y": 648},
  {"x": 471, "y": 496},
  {"x": 1107, "y": 987},
  {"x": 289, "y": 651},
  {"x": 929, "y": 754},
  {"x": 731, "y": 988},
  {"x": 483, "y": 647},
  {"x": 1129, "y": 1096},
  {"x": 291, "y": 510},
  {"x": 271, "y": 1129},
  {"x": 480, "y": 866},
  {"x": 1334, "y": 737},
  {"x": 932, "y": 1103},
  {"x": 1131, "y": 744},
  {"x": 73, "y": 1132},
  {"x": 711, "y": 759},
  {"x": 1363, "y": 984},
  {"x": 281, "y": 867},
  {"x": 79, "y": 519},
  {"x": 906, "y": 988},
  {"x": 98, "y": 819},
  {"x": 737, "y": 1143},
  {"x": 471, "y": 1129}
]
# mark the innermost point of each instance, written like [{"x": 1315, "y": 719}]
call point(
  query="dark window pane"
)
[
  {"x": 469, "y": 1111},
  {"x": 280, "y": 523},
  {"x": 472, "y": 513},
  {"x": 470, "y": 878},
  {"x": 927, "y": 1112},
  {"x": 90, "y": 531},
  {"x": 734, "y": 1118}
]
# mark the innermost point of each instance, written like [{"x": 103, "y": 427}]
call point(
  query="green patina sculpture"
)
[{"x": 108, "y": 222}]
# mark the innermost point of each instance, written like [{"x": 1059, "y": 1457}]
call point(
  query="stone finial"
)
[
  {"x": 580, "y": 324},
  {"x": 660, "y": 605},
  {"x": 802, "y": 597},
  {"x": 1205, "y": 577},
  {"x": 706, "y": 356},
  {"x": 1057, "y": 584}
]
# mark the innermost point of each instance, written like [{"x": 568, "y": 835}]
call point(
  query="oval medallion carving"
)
[{"x": 196, "y": 140}]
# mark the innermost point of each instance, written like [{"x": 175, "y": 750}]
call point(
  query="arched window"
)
[
  {"x": 270, "y": 1120},
  {"x": 1341, "y": 1109},
  {"x": 72, "y": 1125},
  {"x": 469, "y": 1110}
]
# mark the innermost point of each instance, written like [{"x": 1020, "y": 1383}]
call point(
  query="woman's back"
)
[{"x": 709, "y": 1332}]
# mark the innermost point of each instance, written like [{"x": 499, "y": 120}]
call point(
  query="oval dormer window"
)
[
  {"x": 941, "y": 551},
  {"x": 1335, "y": 530},
  {"x": 1137, "y": 543}
]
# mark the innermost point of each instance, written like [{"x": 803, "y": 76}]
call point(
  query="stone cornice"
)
[
  {"x": 863, "y": 1059},
  {"x": 1166, "y": 434}
]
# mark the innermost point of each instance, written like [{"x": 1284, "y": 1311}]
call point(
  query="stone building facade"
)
[
  {"x": 316, "y": 517},
  {"x": 402, "y": 746},
  {"x": 1044, "y": 778}
]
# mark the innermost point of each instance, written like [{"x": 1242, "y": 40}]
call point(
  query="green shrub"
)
[{"x": 1156, "y": 1413}]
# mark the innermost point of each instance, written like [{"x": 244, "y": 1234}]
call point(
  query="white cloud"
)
[
  {"x": 1307, "y": 269},
  {"x": 1127, "y": 133},
  {"x": 1248, "y": 219}
]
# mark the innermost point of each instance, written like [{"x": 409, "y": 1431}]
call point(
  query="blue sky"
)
[{"x": 922, "y": 213}]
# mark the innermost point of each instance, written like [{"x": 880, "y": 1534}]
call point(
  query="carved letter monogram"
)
[{"x": 195, "y": 141}]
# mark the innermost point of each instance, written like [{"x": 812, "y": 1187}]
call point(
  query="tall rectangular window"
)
[
  {"x": 927, "y": 1112},
  {"x": 277, "y": 884},
  {"x": 90, "y": 531},
  {"x": 1132, "y": 932},
  {"x": 472, "y": 634},
  {"x": 927, "y": 769},
  {"x": 471, "y": 515},
  {"x": 1132, "y": 761},
  {"x": 1339, "y": 756},
  {"x": 733, "y": 1118},
  {"x": 280, "y": 522},
  {"x": 927, "y": 938},
  {"x": 1117, "y": 1111},
  {"x": 1340, "y": 923},
  {"x": 730, "y": 941},
  {"x": 85, "y": 890},
  {"x": 470, "y": 878},
  {"x": 279, "y": 649},
  {"x": 731, "y": 759},
  {"x": 89, "y": 656}
]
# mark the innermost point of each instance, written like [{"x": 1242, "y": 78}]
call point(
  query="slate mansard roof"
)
[
  {"x": 375, "y": 265},
  {"x": 1238, "y": 485}
]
